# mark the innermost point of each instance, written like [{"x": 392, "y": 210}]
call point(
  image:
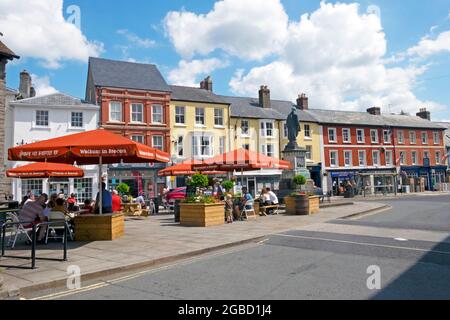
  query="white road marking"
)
[
  {"x": 362, "y": 243},
  {"x": 400, "y": 239}
]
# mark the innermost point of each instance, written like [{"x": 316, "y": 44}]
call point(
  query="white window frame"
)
[
  {"x": 414, "y": 158},
  {"x": 222, "y": 145},
  {"x": 437, "y": 155},
  {"x": 264, "y": 149},
  {"x": 247, "y": 133},
  {"x": 200, "y": 114},
  {"x": 350, "y": 158},
  {"x": 158, "y": 114},
  {"x": 426, "y": 136},
  {"x": 310, "y": 152},
  {"x": 402, "y": 157},
  {"x": 119, "y": 104},
  {"x": 387, "y": 134},
  {"x": 285, "y": 130},
  {"x": 197, "y": 146},
  {"x": 334, "y": 134},
  {"x": 336, "y": 152},
  {"x": 132, "y": 113},
  {"x": 390, "y": 157},
  {"x": 219, "y": 116},
  {"x": 426, "y": 154},
  {"x": 376, "y": 136},
  {"x": 378, "y": 163},
  {"x": 138, "y": 136},
  {"x": 400, "y": 137},
  {"x": 71, "y": 120},
  {"x": 264, "y": 129},
  {"x": 180, "y": 115},
  {"x": 154, "y": 145},
  {"x": 436, "y": 137},
  {"x": 179, "y": 147},
  {"x": 412, "y": 137},
  {"x": 246, "y": 146},
  {"x": 349, "y": 140},
  {"x": 359, "y": 158},
  {"x": 362, "y": 136},
  {"x": 36, "y": 120},
  {"x": 308, "y": 132}
]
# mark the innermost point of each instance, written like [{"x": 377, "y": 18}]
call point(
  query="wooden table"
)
[{"x": 131, "y": 209}]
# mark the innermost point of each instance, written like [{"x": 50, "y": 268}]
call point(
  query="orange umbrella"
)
[
  {"x": 184, "y": 169},
  {"x": 87, "y": 148},
  {"x": 90, "y": 147},
  {"x": 242, "y": 159},
  {"x": 45, "y": 170}
]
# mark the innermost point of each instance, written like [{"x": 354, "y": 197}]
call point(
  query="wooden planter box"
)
[
  {"x": 201, "y": 214},
  {"x": 302, "y": 205},
  {"x": 94, "y": 227}
]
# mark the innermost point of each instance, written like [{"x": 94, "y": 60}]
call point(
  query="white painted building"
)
[{"x": 40, "y": 118}]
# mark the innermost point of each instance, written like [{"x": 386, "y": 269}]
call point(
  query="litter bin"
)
[
  {"x": 156, "y": 202},
  {"x": 176, "y": 210}
]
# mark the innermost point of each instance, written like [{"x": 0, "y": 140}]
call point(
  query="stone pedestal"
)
[{"x": 297, "y": 156}]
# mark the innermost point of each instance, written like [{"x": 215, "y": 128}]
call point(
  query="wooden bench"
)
[{"x": 263, "y": 210}]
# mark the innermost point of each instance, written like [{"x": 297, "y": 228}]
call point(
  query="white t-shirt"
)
[{"x": 273, "y": 197}]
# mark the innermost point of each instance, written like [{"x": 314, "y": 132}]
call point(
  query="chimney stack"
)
[
  {"x": 376, "y": 111},
  {"x": 25, "y": 84},
  {"x": 264, "y": 97},
  {"x": 424, "y": 114},
  {"x": 302, "y": 102},
  {"x": 207, "y": 84}
]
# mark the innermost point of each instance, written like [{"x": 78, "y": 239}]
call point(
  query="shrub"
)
[
  {"x": 299, "y": 180},
  {"x": 199, "y": 180},
  {"x": 228, "y": 185},
  {"x": 200, "y": 199},
  {"x": 123, "y": 188}
]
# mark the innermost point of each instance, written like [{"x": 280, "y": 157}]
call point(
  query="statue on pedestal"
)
[{"x": 293, "y": 128}]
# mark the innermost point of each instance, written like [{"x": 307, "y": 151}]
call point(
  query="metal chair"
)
[
  {"x": 152, "y": 207},
  {"x": 17, "y": 229},
  {"x": 51, "y": 229}
]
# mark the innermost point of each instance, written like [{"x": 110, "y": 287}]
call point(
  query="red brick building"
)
[
  {"x": 134, "y": 100},
  {"x": 378, "y": 147}
]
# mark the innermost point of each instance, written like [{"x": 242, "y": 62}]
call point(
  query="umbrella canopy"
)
[
  {"x": 184, "y": 169},
  {"x": 45, "y": 170},
  {"x": 86, "y": 148},
  {"x": 242, "y": 159}
]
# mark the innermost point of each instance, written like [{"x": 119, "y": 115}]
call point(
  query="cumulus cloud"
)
[
  {"x": 337, "y": 56},
  {"x": 37, "y": 29},
  {"x": 249, "y": 29},
  {"x": 188, "y": 72},
  {"x": 42, "y": 85},
  {"x": 136, "y": 40},
  {"x": 427, "y": 47}
]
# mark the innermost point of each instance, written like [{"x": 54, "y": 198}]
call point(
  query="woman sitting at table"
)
[{"x": 264, "y": 198}]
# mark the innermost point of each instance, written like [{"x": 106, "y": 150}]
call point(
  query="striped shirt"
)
[{"x": 32, "y": 211}]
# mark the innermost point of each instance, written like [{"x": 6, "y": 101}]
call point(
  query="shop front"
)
[{"x": 424, "y": 178}]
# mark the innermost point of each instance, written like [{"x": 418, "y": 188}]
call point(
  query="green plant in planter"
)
[
  {"x": 123, "y": 188},
  {"x": 228, "y": 185},
  {"x": 199, "y": 180},
  {"x": 299, "y": 181},
  {"x": 200, "y": 199}
]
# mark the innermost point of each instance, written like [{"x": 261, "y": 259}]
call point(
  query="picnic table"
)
[{"x": 134, "y": 209}]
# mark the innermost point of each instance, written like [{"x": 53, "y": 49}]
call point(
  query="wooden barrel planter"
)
[{"x": 201, "y": 214}]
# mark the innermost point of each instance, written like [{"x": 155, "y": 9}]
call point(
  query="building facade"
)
[
  {"x": 380, "y": 152},
  {"x": 45, "y": 117},
  {"x": 134, "y": 101},
  {"x": 6, "y": 94}
]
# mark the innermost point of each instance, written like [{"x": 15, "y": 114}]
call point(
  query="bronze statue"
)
[{"x": 293, "y": 127}]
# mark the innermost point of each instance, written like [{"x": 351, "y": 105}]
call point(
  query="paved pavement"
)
[
  {"x": 151, "y": 241},
  {"x": 322, "y": 260}
]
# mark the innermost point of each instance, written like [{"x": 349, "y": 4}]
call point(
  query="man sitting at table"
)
[
  {"x": 33, "y": 213},
  {"x": 273, "y": 199},
  {"x": 106, "y": 201},
  {"x": 246, "y": 198}
]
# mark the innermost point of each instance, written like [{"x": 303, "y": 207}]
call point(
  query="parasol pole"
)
[
  {"x": 100, "y": 190},
  {"x": 242, "y": 177}
]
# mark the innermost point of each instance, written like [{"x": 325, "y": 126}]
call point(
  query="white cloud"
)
[
  {"x": 427, "y": 47},
  {"x": 249, "y": 29},
  {"x": 37, "y": 29},
  {"x": 136, "y": 40},
  {"x": 42, "y": 85},
  {"x": 337, "y": 56},
  {"x": 188, "y": 72}
]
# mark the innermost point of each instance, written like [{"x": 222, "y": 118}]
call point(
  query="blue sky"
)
[{"x": 359, "y": 75}]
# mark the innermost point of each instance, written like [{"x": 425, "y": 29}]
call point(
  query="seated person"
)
[
  {"x": 246, "y": 198},
  {"x": 87, "y": 208},
  {"x": 265, "y": 198},
  {"x": 140, "y": 200},
  {"x": 72, "y": 203},
  {"x": 33, "y": 213},
  {"x": 273, "y": 199},
  {"x": 106, "y": 201},
  {"x": 116, "y": 201}
]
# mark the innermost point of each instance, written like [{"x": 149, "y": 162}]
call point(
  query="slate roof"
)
[
  {"x": 127, "y": 75},
  {"x": 364, "y": 118},
  {"x": 54, "y": 99},
  {"x": 182, "y": 93},
  {"x": 4, "y": 50}
]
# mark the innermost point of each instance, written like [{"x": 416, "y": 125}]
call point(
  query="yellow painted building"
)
[{"x": 199, "y": 122}]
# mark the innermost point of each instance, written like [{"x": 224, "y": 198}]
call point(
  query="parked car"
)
[{"x": 178, "y": 193}]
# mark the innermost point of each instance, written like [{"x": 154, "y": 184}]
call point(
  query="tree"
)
[{"x": 123, "y": 188}]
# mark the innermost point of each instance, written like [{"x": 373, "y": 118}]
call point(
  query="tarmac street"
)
[{"x": 401, "y": 253}]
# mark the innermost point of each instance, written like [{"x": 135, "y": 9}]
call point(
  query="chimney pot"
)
[
  {"x": 264, "y": 97},
  {"x": 424, "y": 114},
  {"x": 25, "y": 84},
  {"x": 376, "y": 111},
  {"x": 207, "y": 84}
]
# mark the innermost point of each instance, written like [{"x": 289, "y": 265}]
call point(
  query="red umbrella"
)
[
  {"x": 90, "y": 147},
  {"x": 184, "y": 169},
  {"x": 45, "y": 170}
]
